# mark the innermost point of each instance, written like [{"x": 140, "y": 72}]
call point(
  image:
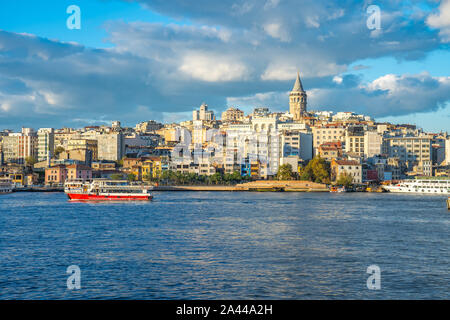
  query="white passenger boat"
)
[
  {"x": 6, "y": 186},
  {"x": 103, "y": 189},
  {"x": 423, "y": 186}
]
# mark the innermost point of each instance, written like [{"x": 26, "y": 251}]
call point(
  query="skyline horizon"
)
[{"x": 150, "y": 60}]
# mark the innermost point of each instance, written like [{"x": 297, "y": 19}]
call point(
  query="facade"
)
[
  {"x": 55, "y": 175},
  {"x": 17, "y": 147},
  {"x": 46, "y": 143},
  {"x": 295, "y": 143},
  {"x": 327, "y": 134},
  {"x": 373, "y": 142},
  {"x": 148, "y": 126},
  {"x": 297, "y": 100},
  {"x": 203, "y": 114},
  {"x": 353, "y": 168},
  {"x": 86, "y": 146},
  {"x": 355, "y": 140},
  {"x": 232, "y": 115},
  {"x": 111, "y": 146},
  {"x": 447, "y": 151},
  {"x": 330, "y": 150},
  {"x": 79, "y": 171},
  {"x": 412, "y": 149}
]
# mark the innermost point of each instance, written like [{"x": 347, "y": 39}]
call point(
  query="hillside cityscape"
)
[{"x": 321, "y": 146}]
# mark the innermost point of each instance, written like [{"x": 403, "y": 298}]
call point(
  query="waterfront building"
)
[
  {"x": 350, "y": 167},
  {"x": 151, "y": 168},
  {"x": 55, "y": 175},
  {"x": 79, "y": 171},
  {"x": 297, "y": 100}
]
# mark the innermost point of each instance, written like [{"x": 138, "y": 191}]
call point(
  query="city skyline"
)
[{"x": 161, "y": 60}]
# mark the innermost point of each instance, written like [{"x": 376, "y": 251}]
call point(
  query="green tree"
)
[
  {"x": 317, "y": 170},
  {"x": 285, "y": 172},
  {"x": 116, "y": 176},
  {"x": 30, "y": 161},
  {"x": 131, "y": 177},
  {"x": 345, "y": 180},
  {"x": 58, "y": 151}
]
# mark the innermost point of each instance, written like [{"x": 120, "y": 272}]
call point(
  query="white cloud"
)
[
  {"x": 212, "y": 68},
  {"x": 276, "y": 30},
  {"x": 441, "y": 20}
]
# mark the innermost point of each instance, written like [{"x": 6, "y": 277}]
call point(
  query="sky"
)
[{"x": 138, "y": 60}]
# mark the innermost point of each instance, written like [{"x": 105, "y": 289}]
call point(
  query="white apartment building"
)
[
  {"x": 46, "y": 143},
  {"x": 373, "y": 142},
  {"x": 296, "y": 143}
]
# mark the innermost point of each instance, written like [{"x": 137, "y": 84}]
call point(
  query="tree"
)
[
  {"x": 285, "y": 172},
  {"x": 131, "y": 177},
  {"x": 30, "y": 161},
  {"x": 58, "y": 151},
  {"x": 317, "y": 170},
  {"x": 345, "y": 179},
  {"x": 116, "y": 176},
  {"x": 120, "y": 162}
]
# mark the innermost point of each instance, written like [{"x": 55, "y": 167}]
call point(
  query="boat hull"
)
[
  {"x": 398, "y": 189},
  {"x": 108, "y": 197}
]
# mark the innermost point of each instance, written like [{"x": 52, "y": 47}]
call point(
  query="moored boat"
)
[
  {"x": 6, "y": 186},
  {"x": 106, "y": 190},
  {"x": 422, "y": 186},
  {"x": 338, "y": 189}
]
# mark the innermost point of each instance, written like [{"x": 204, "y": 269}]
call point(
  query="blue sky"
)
[{"x": 152, "y": 59}]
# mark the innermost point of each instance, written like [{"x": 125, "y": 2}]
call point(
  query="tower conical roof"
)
[{"x": 298, "y": 87}]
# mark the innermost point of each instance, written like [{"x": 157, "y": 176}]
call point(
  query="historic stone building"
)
[{"x": 297, "y": 100}]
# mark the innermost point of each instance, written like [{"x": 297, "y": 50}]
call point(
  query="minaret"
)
[{"x": 297, "y": 100}]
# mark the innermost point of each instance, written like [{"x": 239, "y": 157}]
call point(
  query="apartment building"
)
[
  {"x": 327, "y": 134},
  {"x": 45, "y": 144}
]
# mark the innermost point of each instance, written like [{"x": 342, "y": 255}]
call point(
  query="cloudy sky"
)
[{"x": 136, "y": 60}]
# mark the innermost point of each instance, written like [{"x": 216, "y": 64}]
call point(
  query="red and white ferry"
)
[{"x": 106, "y": 190}]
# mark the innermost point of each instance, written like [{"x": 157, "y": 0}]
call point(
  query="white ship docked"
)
[
  {"x": 6, "y": 186},
  {"x": 103, "y": 189},
  {"x": 424, "y": 186}
]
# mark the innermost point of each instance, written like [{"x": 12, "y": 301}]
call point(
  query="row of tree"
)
[
  {"x": 179, "y": 178},
  {"x": 317, "y": 170}
]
